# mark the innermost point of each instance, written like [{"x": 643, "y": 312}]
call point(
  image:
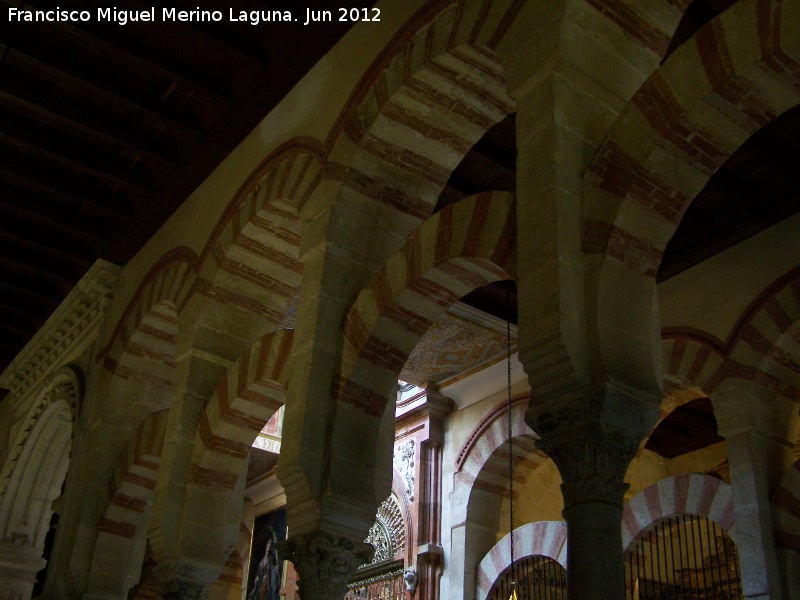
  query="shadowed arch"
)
[{"x": 761, "y": 347}]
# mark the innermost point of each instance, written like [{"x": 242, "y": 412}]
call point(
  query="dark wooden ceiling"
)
[
  {"x": 106, "y": 129},
  {"x": 689, "y": 427}
]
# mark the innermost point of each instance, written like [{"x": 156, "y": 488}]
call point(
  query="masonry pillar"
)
[
  {"x": 429, "y": 543},
  {"x": 324, "y": 562},
  {"x": 19, "y": 564},
  {"x": 759, "y": 427},
  {"x": 592, "y": 438}
]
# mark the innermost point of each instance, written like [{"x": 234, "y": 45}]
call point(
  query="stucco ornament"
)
[{"x": 404, "y": 464}]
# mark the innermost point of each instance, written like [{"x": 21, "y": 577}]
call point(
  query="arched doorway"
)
[
  {"x": 531, "y": 578},
  {"x": 683, "y": 556}
]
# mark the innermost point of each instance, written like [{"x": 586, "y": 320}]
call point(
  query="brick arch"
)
[
  {"x": 665, "y": 146},
  {"x": 144, "y": 372},
  {"x": 689, "y": 494},
  {"x": 543, "y": 538},
  {"x": 122, "y": 530},
  {"x": 786, "y": 527}
]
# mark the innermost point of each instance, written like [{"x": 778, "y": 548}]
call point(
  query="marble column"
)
[
  {"x": 592, "y": 437},
  {"x": 759, "y": 428},
  {"x": 325, "y": 563}
]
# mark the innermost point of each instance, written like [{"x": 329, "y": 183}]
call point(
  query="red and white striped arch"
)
[
  {"x": 168, "y": 283},
  {"x": 123, "y": 528},
  {"x": 251, "y": 261},
  {"x": 687, "y": 494},
  {"x": 247, "y": 397},
  {"x": 543, "y": 538},
  {"x": 483, "y": 460},
  {"x": 459, "y": 249},
  {"x": 429, "y": 96},
  {"x": 665, "y": 146}
]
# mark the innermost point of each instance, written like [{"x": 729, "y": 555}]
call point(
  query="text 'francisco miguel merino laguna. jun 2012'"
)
[{"x": 173, "y": 15}]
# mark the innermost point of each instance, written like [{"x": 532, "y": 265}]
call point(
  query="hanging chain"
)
[{"x": 510, "y": 444}]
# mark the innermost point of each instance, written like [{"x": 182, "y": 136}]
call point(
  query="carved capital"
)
[
  {"x": 592, "y": 438},
  {"x": 324, "y": 562}
]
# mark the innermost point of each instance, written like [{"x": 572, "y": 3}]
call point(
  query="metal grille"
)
[
  {"x": 536, "y": 577},
  {"x": 683, "y": 558},
  {"x": 387, "y": 586}
]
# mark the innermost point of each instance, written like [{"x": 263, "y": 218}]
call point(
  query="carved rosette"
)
[
  {"x": 388, "y": 534},
  {"x": 325, "y": 563},
  {"x": 592, "y": 439}
]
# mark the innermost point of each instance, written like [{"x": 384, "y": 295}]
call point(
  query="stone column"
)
[
  {"x": 758, "y": 427},
  {"x": 592, "y": 438},
  {"x": 325, "y": 563}
]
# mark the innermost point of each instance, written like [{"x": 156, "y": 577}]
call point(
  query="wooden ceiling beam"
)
[
  {"x": 78, "y": 167},
  {"x": 91, "y": 90},
  {"x": 43, "y": 300},
  {"x": 27, "y": 174},
  {"x": 17, "y": 331},
  {"x": 46, "y": 251},
  {"x": 140, "y": 59},
  {"x": 51, "y": 109},
  {"x": 14, "y": 266},
  {"x": 80, "y": 130},
  {"x": 44, "y": 214}
]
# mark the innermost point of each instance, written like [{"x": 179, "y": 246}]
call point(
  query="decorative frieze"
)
[{"x": 77, "y": 316}]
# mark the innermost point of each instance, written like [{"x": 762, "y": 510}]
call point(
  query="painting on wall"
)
[{"x": 265, "y": 574}]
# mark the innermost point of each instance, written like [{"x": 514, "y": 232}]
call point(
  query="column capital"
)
[
  {"x": 324, "y": 562},
  {"x": 592, "y": 437}
]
